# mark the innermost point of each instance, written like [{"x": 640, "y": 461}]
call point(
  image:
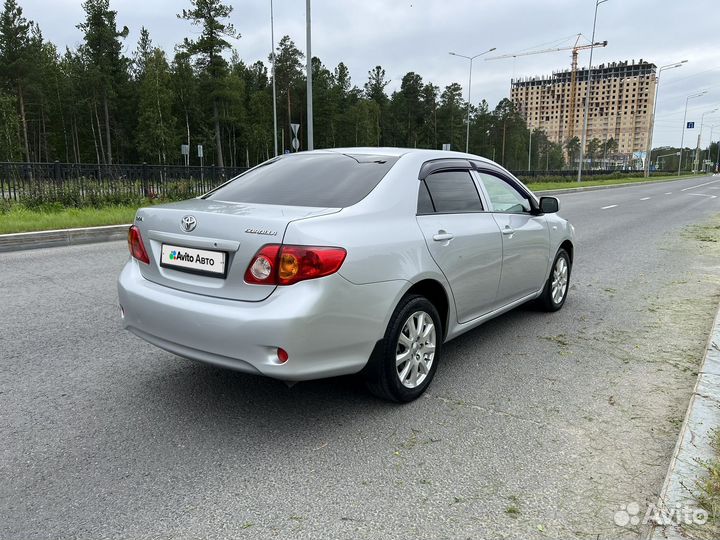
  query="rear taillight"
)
[
  {"x": 136, "y": 246},
  {"x": 284, "y": 265}
]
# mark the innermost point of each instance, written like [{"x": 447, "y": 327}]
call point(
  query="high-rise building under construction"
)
[{"x": 621, "y": 104}]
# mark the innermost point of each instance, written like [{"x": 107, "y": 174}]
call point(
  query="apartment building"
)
[{"x": 621, "y": 103}]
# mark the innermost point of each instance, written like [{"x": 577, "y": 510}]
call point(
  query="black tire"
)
[
  {"x": 545, "y": 301},
  {"x": 381, "y": 375}
]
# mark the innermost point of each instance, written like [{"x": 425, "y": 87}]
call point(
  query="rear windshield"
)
[{"x": 322, "y": 180}]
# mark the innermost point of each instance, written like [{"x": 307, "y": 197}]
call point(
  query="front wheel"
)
[
  {"x": 407, "y": 358},
  {"x": 556, "y": 288}
]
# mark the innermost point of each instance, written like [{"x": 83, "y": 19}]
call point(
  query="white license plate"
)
[{"x": 197, "y": 261}]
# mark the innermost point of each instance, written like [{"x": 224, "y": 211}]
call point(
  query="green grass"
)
[
  {"x": 547, "y": 186},
  {"x": 21, "y": 219},
  {"x": 709, "y": 490}
]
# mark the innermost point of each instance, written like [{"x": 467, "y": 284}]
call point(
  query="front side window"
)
[
  {"x": 323, "y": 180},
  {"x": 504, "y": 197},
  {"x": 453, "y": 192}
]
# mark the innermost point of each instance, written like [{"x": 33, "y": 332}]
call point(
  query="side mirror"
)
[{"x": 549, "y": 205}]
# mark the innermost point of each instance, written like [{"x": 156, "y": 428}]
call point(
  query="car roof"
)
[{"x": 398, "y": 152}]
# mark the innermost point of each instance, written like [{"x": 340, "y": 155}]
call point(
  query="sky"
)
[{"x": 417, "y": 35}]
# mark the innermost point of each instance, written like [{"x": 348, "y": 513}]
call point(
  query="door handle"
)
[
  {"x": 508, "y": 231},
  {"x": 443, "y": 236}
]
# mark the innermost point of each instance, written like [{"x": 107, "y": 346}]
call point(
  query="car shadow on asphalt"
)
[{"x": 200, "y": 391}]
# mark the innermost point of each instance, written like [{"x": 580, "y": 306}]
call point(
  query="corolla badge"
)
[
  {"x": 188, "y": 223},
  {"x": 265, "y": 232}
]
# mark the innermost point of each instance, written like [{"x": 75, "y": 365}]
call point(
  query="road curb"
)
[
  {"x": 694, "y": 445},
  {"x": 61, "y": 237},
  {"x": 598, "y": 188}
]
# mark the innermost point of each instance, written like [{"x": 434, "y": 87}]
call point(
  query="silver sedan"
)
[{"x": 335, "y": 262}]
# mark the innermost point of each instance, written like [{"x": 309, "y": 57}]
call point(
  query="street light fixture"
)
[
  {"x": 682, "y": 139},
  {"x": 587, "y": 93},
  {"x": 471, "y": 58},
  {"x": 697, "y": 150},
  {"x": 648, "y": 151}
]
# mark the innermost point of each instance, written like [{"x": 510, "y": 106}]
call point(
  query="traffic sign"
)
[
  {"x": 185, "y": 149},
  {"x": 200, "y": 150},
  {"x": 446, "y": 147},
  {"x": 295, "y": 128},
  {"x": 295, "y": 144},
  {"x": 691, "y": 125}
]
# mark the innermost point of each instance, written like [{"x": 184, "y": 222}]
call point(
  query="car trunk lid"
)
[{"x": 239, "y": 230}]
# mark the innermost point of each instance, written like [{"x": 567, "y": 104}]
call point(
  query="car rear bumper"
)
[{"x": 328, "y": 326}]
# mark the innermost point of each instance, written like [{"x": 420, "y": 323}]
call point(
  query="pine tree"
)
[
  {"x": 107, "y": 67},
  {"x": 156, "y": 123},
  {"x": 208, "y": 48},
  {"x": 16, "y": 43}
]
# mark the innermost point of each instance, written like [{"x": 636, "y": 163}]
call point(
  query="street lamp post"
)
[
  {"x": 696, "y": 166},
  {"x": 471, "y": 58},
  {"x": 587, "y": 93},
  {"x": 709, "y": 156},
  {"x": 274, "y": 91},
  {"x": 682, "y": 139},
  {"x": 310, "y": 143},
  {"x": 648, "y": 150}
]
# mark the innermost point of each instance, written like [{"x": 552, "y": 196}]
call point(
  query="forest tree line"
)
[{"x": 94, "y": 104}]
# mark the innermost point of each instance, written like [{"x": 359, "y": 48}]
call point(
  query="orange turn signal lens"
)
[{"x": 289, "y": 266}]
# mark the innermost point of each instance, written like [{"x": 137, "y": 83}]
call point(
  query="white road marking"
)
[
  {"x": 645, "y": 198},
  {"x": 669, "y": 193},
  {"x": 703, "y": 195},
  {"x": 700, "y": 185},
  {"x": 608, "y": 207}
]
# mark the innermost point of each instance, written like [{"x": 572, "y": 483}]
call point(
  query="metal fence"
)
[
  {"x": 568, "y": 173},
  {"x": 78, "y": 184},
  {"x": 57, "y": 180}
]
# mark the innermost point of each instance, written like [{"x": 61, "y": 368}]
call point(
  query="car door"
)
[
  {"x": 525, "y": 237},
  {"x": 463, "y": 239}
]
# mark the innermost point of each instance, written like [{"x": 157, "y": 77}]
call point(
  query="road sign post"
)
[
  {"x": 185, "y": 151},
  {"x": 201, "y": 156}
]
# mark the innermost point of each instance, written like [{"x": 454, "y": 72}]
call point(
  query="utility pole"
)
[
  {"x": 310, "y": 143},
  {"x": 272, "y": 38},
  {"x": 471, "y": 58},
  {"x": 651, "y": 128},
  {"x": 682, "y": 139},
  {"x": 587, "y": 93}
]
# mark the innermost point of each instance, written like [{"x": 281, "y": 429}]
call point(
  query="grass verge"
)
[
  {"x": 709, "y": 487},
  {"x": 20, "y": 219},
  {"x": 548, "y": 186}
]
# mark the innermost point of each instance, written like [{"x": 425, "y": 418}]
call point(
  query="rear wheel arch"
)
[{"x": 434, "y": 291}]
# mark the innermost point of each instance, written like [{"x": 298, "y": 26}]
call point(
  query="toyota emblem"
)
[{"x": 188, "y": 223}]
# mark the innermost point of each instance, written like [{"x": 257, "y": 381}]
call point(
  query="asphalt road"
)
[{"x": 536, "y": 425}]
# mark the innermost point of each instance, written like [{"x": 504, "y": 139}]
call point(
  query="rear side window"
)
[
  {"x": 329, "y": 180},
  {"x": 453, "y": 192},
  {"x": 425, "y": 205}
]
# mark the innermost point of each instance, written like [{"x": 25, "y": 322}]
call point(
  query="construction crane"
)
[{"x": 573, "y": 72}]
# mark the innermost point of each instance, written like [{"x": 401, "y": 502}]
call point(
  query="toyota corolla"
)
[{"x": 344, "y": 261}]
